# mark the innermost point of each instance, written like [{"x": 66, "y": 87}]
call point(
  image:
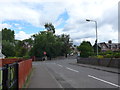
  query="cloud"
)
[
  {"x": 21, "y": 35},
  {"x": 5, "y": 25},
  {"x": 38, "y": 12}
]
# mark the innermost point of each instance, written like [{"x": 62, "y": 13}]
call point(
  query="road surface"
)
[{"x": 69, "y": 75}]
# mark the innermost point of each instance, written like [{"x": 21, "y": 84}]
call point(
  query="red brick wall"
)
[
  {"x": 24, "y": 70},
  {"x": 25, "y": 67},
  {"x": 8, "y": 61}
]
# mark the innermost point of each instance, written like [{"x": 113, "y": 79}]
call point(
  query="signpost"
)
[
  {"x": 45, "y": 57},
  {"x": 44, "y": 53}
]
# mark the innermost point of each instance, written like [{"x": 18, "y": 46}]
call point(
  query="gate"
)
[{"x": 9, "y": 76}]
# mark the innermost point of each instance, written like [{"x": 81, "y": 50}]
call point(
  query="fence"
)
[
  {"x": 14, "y": 75},
  {"x": 24, "y": 70}
]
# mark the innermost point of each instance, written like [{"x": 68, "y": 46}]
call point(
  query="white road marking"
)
[
  {"x": 103, "y": 81},
  {"x": 59, "y": 65},
  {"x": 72, "y": 69}
]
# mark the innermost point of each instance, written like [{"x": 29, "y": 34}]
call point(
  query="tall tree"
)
[
  {"x": 53, "y": 45},
  {"x": 8, "y": 35},
  {"x": 65, "y": 39},
  {"x": 8, "y": 49},
  {"x": 8, "y": 42},
  {"x": 50, "y": 27}
]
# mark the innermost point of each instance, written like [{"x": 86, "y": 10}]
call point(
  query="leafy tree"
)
[
  {"x": 8, "y": 35},
  {"x": 52, "y": 44},
  {"x": 8, "y": 48},
  {"x": 50, "y": 27},
  {"x": 43, "y": 42},
  {"x": 65, "y": 39},
  {"x": 20, "y": 48},
  {"x": 86, "y": 49},
  {"x": 8, "y": 42}
]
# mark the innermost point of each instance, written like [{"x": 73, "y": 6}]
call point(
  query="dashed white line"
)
[
  {"x": 72, "y": 69},
  {"x": 59, "y": 65},
  {"x": 103, "y": 81}
]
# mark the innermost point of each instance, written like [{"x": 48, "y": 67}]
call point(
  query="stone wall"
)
[{"x": 108, "y": 62}]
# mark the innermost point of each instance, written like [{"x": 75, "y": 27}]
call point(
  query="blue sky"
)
[
  {"x": 24, "y": 26},
  {"x": 28, "y": 17},
  {"x": 18, "y": 25}
]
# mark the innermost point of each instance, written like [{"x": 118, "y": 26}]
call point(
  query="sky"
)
[{"x": 27, "y": 17}]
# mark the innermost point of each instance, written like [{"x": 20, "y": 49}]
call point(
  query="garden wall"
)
[
  {"x": 108, "y": 62},
  {"x": 24, "y": 68},
  {"x": 23, "y": 72},
  {"x": 7, "y": 61}
]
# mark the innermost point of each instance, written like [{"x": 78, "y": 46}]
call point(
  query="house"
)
[{"x": 109, "y": 46}]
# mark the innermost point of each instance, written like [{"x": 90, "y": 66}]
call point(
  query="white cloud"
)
[
  {"x": 38, "y": 12},
  {"x": 21, "y": 35},
  {"x": 107, "y": 33},
  {"x": 4, "y": 25}
]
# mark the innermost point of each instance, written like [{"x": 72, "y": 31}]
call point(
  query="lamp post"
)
[{"x": 96, "y": 33}]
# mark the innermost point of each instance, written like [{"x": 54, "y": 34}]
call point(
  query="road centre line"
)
[
  {"x": 59, "y": 65},
  {"x": 103, "y": 81},
  {"x": 72, "y": 69}
]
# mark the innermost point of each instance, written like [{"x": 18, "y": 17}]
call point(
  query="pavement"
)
[
  {"x": 102, "y": 68},
  {"x": 67, "y": 73},
  {"x": 41, "y": 78}
]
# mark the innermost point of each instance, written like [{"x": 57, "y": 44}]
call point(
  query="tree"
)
[
  {"x": 50, "y": 27},
  {"x": 43, "y": 42},
  {"x": 65, "y": 39},
  {"x": 8, "y": 48},
  {"x": 8, "y": 42},
  {"x": 8, "y": 35},
  {"x": 86, "y": 49},
  {"x": 53, "y": 45},
  {"x": 21, "y": 48}
]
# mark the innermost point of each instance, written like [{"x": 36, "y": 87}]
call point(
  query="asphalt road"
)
[{"x": 68, "y": 75}]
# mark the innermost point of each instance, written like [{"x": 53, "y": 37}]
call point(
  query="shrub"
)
[
  {"x": 100, "y": 56},
  {"x": 26, "y": 57},
  {"x": 108, "y": 56},
  {"x": 117, "y": 55},
  {"x": 12, "y": 57}
]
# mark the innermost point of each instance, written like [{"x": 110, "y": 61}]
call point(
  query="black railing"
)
[{"x": 9, "y": 76}]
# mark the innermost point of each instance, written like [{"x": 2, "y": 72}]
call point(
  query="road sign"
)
[{"x": 45, "y": 53}]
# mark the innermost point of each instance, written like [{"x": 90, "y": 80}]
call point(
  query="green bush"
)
[
  {"x": 116, "y": 55},
  {"x": 108, "y": 56},
  {"x": 100, "y": 56},
  {"x": 86, "y": 49},
  {"x": 12, "y": 57},
  {"x": 26, "y": 57}
]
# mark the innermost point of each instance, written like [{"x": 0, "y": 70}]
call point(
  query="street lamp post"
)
[{"x": 96, "y": 33}]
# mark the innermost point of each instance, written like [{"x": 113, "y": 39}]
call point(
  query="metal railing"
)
[{"x": 9, "y": 76}]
